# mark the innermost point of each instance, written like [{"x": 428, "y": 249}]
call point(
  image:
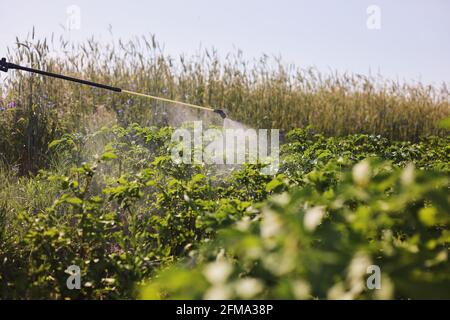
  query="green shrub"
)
[
  {"x": 115, "y": 204},
  {"x": 309, "y": 243}
]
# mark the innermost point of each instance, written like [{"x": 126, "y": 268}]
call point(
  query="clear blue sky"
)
[{"x": 412, "y": 44}]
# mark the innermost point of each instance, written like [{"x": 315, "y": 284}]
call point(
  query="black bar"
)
[
  {"x": 225, "y": 310},
  {"x": 60, "y": 76}
]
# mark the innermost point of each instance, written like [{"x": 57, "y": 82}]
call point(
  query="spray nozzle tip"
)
[{"x": 221, "y": 113}]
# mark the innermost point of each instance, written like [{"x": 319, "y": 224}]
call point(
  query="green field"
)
[{"x": 87, "y": 179}]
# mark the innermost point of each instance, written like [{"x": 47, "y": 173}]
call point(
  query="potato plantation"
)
[{"x": 87, "y": 179}]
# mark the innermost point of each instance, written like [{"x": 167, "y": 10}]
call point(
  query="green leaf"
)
[
  {"x": 428, "y": 216},
  {"x": 108, "y": 156},
  {"x": 54, "y": 143},
  {"x": 274, "y": 184},
  {"x": 74, "y": 201}
]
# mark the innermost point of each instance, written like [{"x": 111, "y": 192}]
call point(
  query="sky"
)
[{"x": 405, "y": 40}]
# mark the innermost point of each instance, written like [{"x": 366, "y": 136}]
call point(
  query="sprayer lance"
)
[{"x": 5, "y": 66}]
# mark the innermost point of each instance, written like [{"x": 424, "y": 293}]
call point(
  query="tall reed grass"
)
[{"x": 263, "y": 93}]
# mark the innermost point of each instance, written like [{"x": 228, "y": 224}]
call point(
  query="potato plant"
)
[{"x": 139, "y": 225}]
